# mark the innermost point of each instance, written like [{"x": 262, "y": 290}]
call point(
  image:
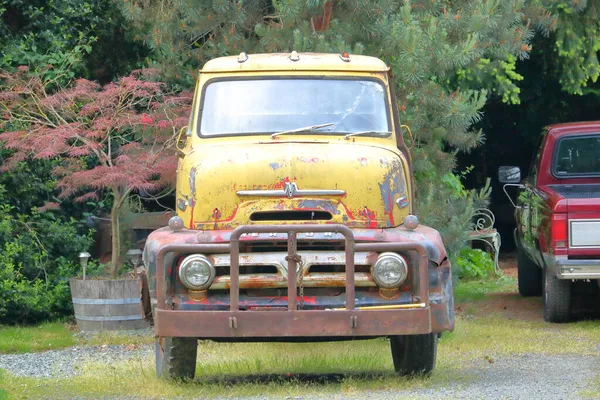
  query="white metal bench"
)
[{"x": 484, "y": 231}]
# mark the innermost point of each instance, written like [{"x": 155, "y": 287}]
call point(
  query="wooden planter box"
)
[{"x": 108, "y": 304}]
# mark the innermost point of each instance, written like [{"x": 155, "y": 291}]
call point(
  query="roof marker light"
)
[
  {"x": 294, "y": 56},
  {"x": 345, "y": 56},
  {"x": 243, "y": 57}
]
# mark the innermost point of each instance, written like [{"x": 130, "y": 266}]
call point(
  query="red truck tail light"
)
[{"x": 559, "y": 231}]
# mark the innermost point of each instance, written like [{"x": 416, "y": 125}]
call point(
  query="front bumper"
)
[
  {"x": 421, "y": 314},
  {"x": 577, "y": 269},
  {"x": 293, "y": 323}
]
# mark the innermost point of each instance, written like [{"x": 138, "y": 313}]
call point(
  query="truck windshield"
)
[
  {"x": 577, "y": 156},
  {"x": 267, "y": 106}
]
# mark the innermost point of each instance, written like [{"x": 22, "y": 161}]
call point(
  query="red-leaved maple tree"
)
[{"x": 114, "y": 139}]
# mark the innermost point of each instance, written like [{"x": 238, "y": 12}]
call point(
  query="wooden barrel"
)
[{"x": 107, "y": 304}]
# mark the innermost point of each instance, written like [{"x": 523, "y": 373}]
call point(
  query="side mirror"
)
[
  {"x": 509, "y": 174},
  {"x": 180, "y": 142}
]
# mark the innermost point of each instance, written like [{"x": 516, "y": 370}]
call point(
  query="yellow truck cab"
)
[{"x": 295, "y": 216}]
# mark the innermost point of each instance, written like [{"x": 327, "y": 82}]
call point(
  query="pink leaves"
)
[
  {"x": 146, "y": 119},
  {"x": 116, "y": 137}
]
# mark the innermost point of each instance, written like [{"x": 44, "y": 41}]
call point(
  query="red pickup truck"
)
[{"x": 558, "y": 215}]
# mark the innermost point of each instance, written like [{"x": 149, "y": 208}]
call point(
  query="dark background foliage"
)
[{"x": 512, "y": 131}]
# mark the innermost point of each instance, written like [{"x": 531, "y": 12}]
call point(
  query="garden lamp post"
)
[
  {"x": 84, "y": 256},
  {"x": 135, "y": 256}
]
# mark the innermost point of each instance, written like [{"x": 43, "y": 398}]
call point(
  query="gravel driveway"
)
[
  {"x": 61, "y": 363},
  {"x": 515, "y": 377}
]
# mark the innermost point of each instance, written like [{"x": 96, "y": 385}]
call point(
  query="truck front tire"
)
[
  {"x": 557, "y": 298},
  {"x": 176, "y": 357},
  {"x": 529, "y": 276},
  {"x": 414, "y": 354}
]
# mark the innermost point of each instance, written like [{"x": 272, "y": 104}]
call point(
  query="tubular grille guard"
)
[{"x": 233, "y": 248}]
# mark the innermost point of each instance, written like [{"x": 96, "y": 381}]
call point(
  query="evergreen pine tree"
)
[{"x": 447, "y": 57}]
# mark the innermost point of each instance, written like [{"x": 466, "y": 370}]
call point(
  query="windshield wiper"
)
[
  {"x": 365, "y": 133},
  {"x": 303, "y": 129}
]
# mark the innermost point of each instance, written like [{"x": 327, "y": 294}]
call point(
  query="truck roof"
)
[
  {"x": 305, "y": 62},
  {"x": 570, "y": 128}
]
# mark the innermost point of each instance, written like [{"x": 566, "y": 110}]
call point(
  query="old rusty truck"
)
[
  {"x": 558, "y": 217},
  {"x": 295, "y": 202}
]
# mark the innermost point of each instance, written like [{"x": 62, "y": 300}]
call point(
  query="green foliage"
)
[
  {"x": 184, "y": 34},
  {"x": 501, "y": 73},
  {"x": 577, "y": 42},
  {"x": 450, "y": 208},
  {"x": 38, "y": 247},
  {"x": 81, "y": 38},
  {"x": 474, "y": 264},
  {"x": 38, "y": 256}
]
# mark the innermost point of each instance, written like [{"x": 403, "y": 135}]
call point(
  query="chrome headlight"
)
[
  {"x": 196, "y": 272},
  {"x": 390, "y": 270}
]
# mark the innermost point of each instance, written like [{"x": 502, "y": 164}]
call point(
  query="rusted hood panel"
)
[{"x": 371, "y": 178}]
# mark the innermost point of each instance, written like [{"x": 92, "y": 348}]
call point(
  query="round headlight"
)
[
  {"x": 196, "y": 272},
  {"x": 389, "y": 271}
]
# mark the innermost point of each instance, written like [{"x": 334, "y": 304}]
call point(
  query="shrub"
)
[
  {"x": 474, "y": 264},
  {"x": 38, "y": 247},
  {"x": 38, "y": 255}
]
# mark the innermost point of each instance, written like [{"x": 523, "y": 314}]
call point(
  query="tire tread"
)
[
  {"x": 557, "y": 299},
  {"x": 414, "y": 354},
  {"x": 178, "y": 361},
  {"x": 529, "y": 276}
]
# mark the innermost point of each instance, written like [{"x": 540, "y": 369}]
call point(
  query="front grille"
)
[
  {"x": 337, "y": 268},
  {"x": 291, "y": 216},
  {"x": 269, "y": 270},
  {"x": 280, "y": 245},
  {"x": 248, "y": 269},
  {"x": 584, "y": 233}
]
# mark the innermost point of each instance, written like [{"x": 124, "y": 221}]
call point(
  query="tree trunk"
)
[{"x": 115, "y": 233}]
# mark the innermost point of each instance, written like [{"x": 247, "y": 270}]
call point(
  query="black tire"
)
[
  {"x": 176, "y": 357},
  {"x": 529, "y": 276},
  {"x": 414, "y": 354},
  {"x": 557, "y": 298}
]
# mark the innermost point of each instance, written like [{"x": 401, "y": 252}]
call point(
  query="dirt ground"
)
[
  {"x": 509, "y": 304},
  {"x": 512, "y": 306}
]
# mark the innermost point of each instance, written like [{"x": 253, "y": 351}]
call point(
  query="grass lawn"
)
[
  {"x": 43, "y": 337},
  {"x": 349, "y": 367},
  {"x": 59, "y": 335},
  {"x": 475, "y": 290}
]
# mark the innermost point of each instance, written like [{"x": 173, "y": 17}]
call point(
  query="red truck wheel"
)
[
  {"x": 414, "y": 354},
  {"x": 557, "y": 298},
  {"x": 176, "y": 357},
  {"x": 529, "y": 276}
]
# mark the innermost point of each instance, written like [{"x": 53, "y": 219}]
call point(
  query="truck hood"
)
[{"x": 226, "y": 185}]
